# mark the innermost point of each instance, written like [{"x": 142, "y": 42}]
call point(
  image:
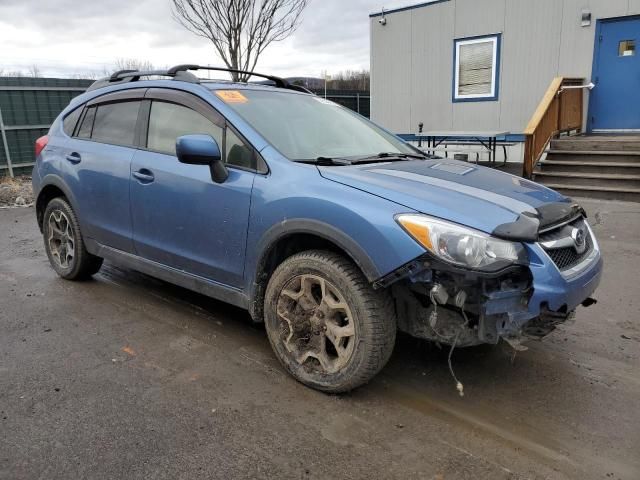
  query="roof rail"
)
[{"x": 181, "y": 72}]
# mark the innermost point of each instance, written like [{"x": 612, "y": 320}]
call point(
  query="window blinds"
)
[{"x": 475, "y": 68}]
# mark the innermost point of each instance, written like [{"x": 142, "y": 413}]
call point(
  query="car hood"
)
[{"x": 479, "y": 197}]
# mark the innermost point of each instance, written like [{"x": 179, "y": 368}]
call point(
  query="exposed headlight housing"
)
[{"x": 462, "y": 246}]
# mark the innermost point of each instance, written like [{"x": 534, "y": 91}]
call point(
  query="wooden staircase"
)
[{"x": 594, "y": 166}]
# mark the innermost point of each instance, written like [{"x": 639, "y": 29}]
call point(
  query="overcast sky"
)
[{"x": 67, "y": 37}]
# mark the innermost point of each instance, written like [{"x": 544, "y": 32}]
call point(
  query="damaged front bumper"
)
[{"x": 450, "y": 305}]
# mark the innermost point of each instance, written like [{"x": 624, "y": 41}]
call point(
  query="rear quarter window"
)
[
  {"x": 115, "y": 123},
  {"x": 70, "y": 121},
  {"x": 84, "y": 131}
]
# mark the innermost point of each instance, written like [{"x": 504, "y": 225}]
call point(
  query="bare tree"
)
[
  {"x": 240, "y": 30},
  {"x": 86, "y": 75},
  {"x": 133, "y": 64},
  {"x": 350, "y": 80},
  {"x": 11, "y": 73},
  {"x": 34, "y": 71}
]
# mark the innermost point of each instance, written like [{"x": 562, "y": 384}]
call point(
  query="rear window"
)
[
  {"x": 115, "y": 123},
  {"x": 69, "y": 122}
]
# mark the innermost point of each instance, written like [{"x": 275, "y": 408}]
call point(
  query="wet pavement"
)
[{"x": 127, "y": 376}]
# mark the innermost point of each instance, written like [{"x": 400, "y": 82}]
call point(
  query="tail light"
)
[{"x": 41, "y": 143}]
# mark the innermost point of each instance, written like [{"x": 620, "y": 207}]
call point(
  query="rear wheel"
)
[
  {"x": 326, "y": 324},
  {"x": 63, "y": 242}
]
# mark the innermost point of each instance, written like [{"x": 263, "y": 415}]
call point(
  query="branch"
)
[{"x": 240, "y": 30}]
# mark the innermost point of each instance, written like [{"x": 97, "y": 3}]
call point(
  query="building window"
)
[
  {"x": 476, "y": 64},
  {"x": 627, "y": 48}
]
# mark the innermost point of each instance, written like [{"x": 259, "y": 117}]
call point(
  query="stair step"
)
[
  {"x": 592, "y": 152},
  {"x": 610, "y": 176},
  {"x": 607, "y": 193},
  {"x": 596, "y": 144},
  {"x": 589, "y": 167},
  {"x": 595, "y": 180},
  {"x": 578, "y": 156},
  {"x": 583, "y": 163}
]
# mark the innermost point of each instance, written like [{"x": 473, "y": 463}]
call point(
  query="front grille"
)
[{"x": 567, "y": 257}]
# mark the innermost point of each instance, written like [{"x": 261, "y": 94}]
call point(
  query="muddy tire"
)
[
  {"x": 326, "y": 324},
  {"x": 63, "y": 242}
]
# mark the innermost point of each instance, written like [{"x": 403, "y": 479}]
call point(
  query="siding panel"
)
[
  {"x": 475, "y": 17},
  {"x": 432, "y": 32},
  {"x": 390, "y": 72},
  {"x": 530, "y": 58}
]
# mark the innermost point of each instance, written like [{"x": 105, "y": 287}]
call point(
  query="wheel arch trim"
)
[{"x": 52, "y": 180}]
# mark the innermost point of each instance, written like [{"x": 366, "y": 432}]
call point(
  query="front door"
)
[
  {"x": 615, "y": 100},
  {"x": 181, "y": 217}
]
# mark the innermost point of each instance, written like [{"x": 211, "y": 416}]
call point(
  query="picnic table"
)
[{"x": 488, "y": 140}]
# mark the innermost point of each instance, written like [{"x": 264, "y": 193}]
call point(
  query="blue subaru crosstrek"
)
[{"x": 327, "y": 228}]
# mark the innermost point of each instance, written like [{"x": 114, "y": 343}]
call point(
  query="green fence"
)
[
  {"x": 356, "y": 100},
  {"x": 28, "y": 106}
]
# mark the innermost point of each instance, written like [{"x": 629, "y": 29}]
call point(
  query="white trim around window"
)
[{"x": 476, "y": 68}]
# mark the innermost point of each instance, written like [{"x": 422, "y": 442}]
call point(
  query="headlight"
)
[{"x": 460, "y": 245}]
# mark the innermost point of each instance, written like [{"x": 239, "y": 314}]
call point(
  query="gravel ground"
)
[
  {"x": 15, "y": 191},
  {"x": 127, "y": 376}
]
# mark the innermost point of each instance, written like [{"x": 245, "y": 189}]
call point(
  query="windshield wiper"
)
[
  {"x": 324, "y": 161},
  {"x": 400, "y": 155},
  {"x": 388, "y": 157},
  {"x": 379, "y": 157}
]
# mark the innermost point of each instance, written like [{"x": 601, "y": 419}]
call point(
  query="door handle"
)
[
  {"x": 144, "y": 176},
  {"x": 74, "y": 157}
]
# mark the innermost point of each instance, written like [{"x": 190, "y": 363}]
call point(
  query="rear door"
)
[
  {"x": 181, "y": 218},
  {"x": 100, "y": 153}
]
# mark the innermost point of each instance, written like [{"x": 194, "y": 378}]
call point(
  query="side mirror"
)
[{"x": 202, "y": 150}]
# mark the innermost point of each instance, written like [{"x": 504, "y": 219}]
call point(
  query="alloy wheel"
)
[
  {"x": 316, "y": 323},
  {"x": 61, "y": 239}
]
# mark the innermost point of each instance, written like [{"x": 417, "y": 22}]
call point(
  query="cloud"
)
[{"x": 67, "y": 37}]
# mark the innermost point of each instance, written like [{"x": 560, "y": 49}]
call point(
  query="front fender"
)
[
  {"x": 323, "y": 230},
  {"x": 295, "y": 198}
]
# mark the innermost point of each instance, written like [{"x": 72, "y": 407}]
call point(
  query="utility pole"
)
[{"x": 326, "y": 79}]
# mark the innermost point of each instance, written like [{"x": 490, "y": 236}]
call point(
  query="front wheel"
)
[{"x": 326, "y": 324}]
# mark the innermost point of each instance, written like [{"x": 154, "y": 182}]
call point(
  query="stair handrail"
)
[{"x": 560, "y": 110}]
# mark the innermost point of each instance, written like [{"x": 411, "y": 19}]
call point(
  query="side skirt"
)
[{"x": 183, "y": 279}]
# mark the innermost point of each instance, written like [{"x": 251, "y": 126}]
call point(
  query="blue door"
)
[
  {"x": 615, "y": 100},
  {"x": 181, "y": 217},
  {"x": 100, "y": 155}
]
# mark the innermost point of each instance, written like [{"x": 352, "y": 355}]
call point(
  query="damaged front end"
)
[
  {"x": 448, "y": 305},
  {"x": 525, "y": 298}
]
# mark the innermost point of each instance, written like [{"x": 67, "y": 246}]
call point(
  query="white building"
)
[{"x": 486, "y": 64}]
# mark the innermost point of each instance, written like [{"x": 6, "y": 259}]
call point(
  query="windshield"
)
[{"x": 306, "y": 127}]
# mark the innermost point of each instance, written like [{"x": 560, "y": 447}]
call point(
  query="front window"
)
[
  {"x": 476, "y": 62},
  {"x": 306, "y": 127},
  {"x": 168, "y": 121}
]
